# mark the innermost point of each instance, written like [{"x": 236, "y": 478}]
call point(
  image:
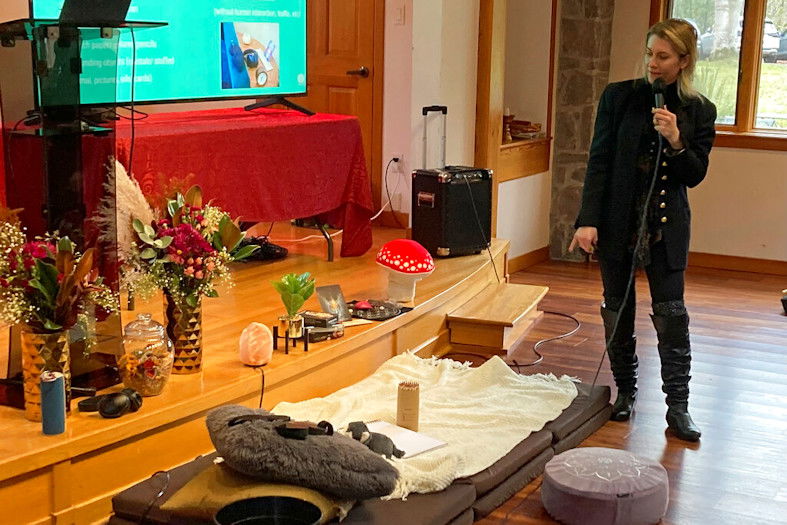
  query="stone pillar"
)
[{"x": 583, "y": 72}]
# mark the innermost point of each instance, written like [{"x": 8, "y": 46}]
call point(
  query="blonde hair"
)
[{"x": 682, "y": 36}]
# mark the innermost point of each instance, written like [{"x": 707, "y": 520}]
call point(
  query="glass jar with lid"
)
[{"x": 147, "y": 356}]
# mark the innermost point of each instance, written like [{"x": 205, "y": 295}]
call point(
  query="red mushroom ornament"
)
[{"x": 406, "y": 262}]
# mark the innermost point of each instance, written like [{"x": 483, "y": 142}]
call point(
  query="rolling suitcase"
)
[{"x": 451, "y": 205}]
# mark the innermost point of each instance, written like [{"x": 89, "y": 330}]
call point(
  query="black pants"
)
[{"x": 666, "y": 285}]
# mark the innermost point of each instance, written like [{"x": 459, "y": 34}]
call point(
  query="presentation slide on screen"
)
[{"x": 209, "y": 49}]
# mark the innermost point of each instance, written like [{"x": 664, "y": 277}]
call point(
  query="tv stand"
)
[{"x": 269, "y": 101}]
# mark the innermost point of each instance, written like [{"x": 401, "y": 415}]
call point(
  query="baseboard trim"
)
[
  {"x": 388, "y": 218},
  {"x": 526, "y": 260},
  {"x": 740, "y": 264}
]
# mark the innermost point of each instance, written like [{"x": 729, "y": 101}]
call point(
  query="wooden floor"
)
[{"x": 736, "y": 474}]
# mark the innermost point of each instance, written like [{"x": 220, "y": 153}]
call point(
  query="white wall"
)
[
  {"x": 444, "y": 64},
  {"x": 523, "y": 213},
  {"x": 527, "y": 59},
  {"x": 397, "y": 100},
  {"x": 741, "y": 207},
  {"x": 629, "y": 25}
]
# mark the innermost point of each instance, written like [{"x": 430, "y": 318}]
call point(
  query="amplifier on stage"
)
[{"x": 452, "y": 209}]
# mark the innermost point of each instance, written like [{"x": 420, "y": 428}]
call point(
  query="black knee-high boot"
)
[
  {"x": 622, "y": 360},
  {"x": 675, "y": 354}
]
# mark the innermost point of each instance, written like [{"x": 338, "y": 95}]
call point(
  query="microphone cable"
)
[{"x": 643, "y": 224}]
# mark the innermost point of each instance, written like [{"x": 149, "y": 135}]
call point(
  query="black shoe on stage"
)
[{"x": 267, "y": 250}]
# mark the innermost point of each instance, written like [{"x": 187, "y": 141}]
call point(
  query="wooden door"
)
[{"x": 345, "y": 36}]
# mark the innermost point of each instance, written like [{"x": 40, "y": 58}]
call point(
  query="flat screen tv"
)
[{"x": 210, "y": 49}]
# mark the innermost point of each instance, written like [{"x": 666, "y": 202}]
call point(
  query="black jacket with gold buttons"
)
[{"x": 610, "y": 190}]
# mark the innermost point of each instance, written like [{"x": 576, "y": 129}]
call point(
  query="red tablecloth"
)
[{"x": 263, "y": 165}]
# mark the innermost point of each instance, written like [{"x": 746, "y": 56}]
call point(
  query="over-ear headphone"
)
[{"x": 112, "y": 405}]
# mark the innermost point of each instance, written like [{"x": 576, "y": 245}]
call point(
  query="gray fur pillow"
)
[{"x": 335, "y": 464}]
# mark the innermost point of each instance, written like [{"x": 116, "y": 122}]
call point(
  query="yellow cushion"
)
[{"x": 218, "y": 485}]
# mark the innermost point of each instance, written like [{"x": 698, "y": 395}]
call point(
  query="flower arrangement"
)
[
  {"x": 186, "y": 252},
  {"x": 45, "y": 284}
]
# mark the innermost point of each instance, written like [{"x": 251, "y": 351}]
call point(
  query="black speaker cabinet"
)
[{"x": 452, "y": 210}]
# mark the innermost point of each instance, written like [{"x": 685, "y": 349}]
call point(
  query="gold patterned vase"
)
[
  {"x": 184, "y": 328},
  {"x": 42, "y": 352}
]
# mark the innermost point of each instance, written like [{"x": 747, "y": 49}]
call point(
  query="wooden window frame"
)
[{"x": 742, "y": 134}]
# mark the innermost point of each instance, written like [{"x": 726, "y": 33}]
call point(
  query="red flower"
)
[{"x": 150, "y": 368}]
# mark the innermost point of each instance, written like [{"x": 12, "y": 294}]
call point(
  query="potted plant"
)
[
  {"x": 186, "y": 254},
  {"x": 48, "y": 288},
  {"x": 294, "y": 289}
]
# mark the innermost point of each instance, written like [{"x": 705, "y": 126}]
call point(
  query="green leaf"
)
[
  {"x": 46, "y": 280},
  {"x": 50, "y": 325},
  {"x": 148, "y": 253},
  {"x": 244, "y": 252},
  {"x": 216, "y": 241},
  {"x": 211, "y": 293},
  {"x": 149, "y": 231},
  {"x": 144, "y": 237},
  {"x": 230, "y": 233},
  {"x": 138, "y": 226},
  {"x": 163, "y": 242},
  {"x": 173, "y": 207},
  {"x": 191, "y": 300},
  {"x": 65, "y": 245},
  {"x": 292, "y": 303}
]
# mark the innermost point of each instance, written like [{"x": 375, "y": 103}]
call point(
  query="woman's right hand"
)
[{"x": 586, "y": 238}]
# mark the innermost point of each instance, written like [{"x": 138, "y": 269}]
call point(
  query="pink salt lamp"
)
[
  {"x": 406, "y": 262},
  {"x": 255, "y": 345}
]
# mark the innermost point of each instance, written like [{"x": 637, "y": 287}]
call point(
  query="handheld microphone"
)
[{"x": 658, "y": 92}]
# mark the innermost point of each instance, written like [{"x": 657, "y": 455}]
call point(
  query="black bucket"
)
[{"x": 269, "y": 510}]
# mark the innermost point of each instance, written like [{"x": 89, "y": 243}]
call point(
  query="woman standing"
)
[{"x": 625, "y": 155}]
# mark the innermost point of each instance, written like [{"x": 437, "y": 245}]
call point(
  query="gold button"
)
[
  {"x": 663, "y": 205},
  {"x": 664, "y": 163},
  {"x": 663, "y": 177},
  {"x": 663, "y": 192},
  {"x": 663, "y": 219}
]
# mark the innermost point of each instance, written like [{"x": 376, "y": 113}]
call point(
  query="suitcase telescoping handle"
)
[{"x": 429, "y": 109}]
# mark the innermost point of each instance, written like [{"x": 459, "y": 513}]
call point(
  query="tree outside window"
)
[{"x": 742, "y": 67}]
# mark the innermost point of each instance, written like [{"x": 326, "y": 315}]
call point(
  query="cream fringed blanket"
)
[{"x": 481, "y": 413}]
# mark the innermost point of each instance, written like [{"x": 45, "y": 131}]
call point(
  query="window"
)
[{"x": 742, "y": 66}]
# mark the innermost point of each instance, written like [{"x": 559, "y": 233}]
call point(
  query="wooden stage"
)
[{"x": 71, "y": 478}]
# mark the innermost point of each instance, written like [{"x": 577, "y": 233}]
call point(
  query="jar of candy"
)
[{"x": 147, "y": 356}]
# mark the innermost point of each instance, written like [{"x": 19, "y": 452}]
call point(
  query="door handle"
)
[{"x": 362, "y": 71}]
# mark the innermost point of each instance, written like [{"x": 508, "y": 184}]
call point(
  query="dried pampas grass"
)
[{"x": 123, "y": 202}]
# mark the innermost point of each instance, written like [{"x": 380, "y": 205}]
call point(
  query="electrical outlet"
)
[{"x": 398, "y": 157}]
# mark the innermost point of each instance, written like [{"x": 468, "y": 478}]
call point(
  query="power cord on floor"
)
[
  {"x": 517, "y": 366},
  {"x": 262, "y": 386}
]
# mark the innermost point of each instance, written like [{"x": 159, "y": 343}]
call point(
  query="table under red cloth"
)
[{"x": 262, "y": 165}]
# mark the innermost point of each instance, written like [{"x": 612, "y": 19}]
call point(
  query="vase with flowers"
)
[
  {"x": 186, "y": 253},
  {"x": 48, "y": 288},
  {"x": 294, "y": 289}
]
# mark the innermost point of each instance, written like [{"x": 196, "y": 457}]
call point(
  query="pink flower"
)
[
  {"x": 189, "y": 271},
  {"x": 199, "y": 274},
  {"x": 210, "y": 266}
]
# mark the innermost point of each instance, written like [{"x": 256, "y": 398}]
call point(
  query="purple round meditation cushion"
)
[{"x": 604, "y": 486}]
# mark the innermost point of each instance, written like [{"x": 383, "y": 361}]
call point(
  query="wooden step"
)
[{"x": 497, "y": 317}]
